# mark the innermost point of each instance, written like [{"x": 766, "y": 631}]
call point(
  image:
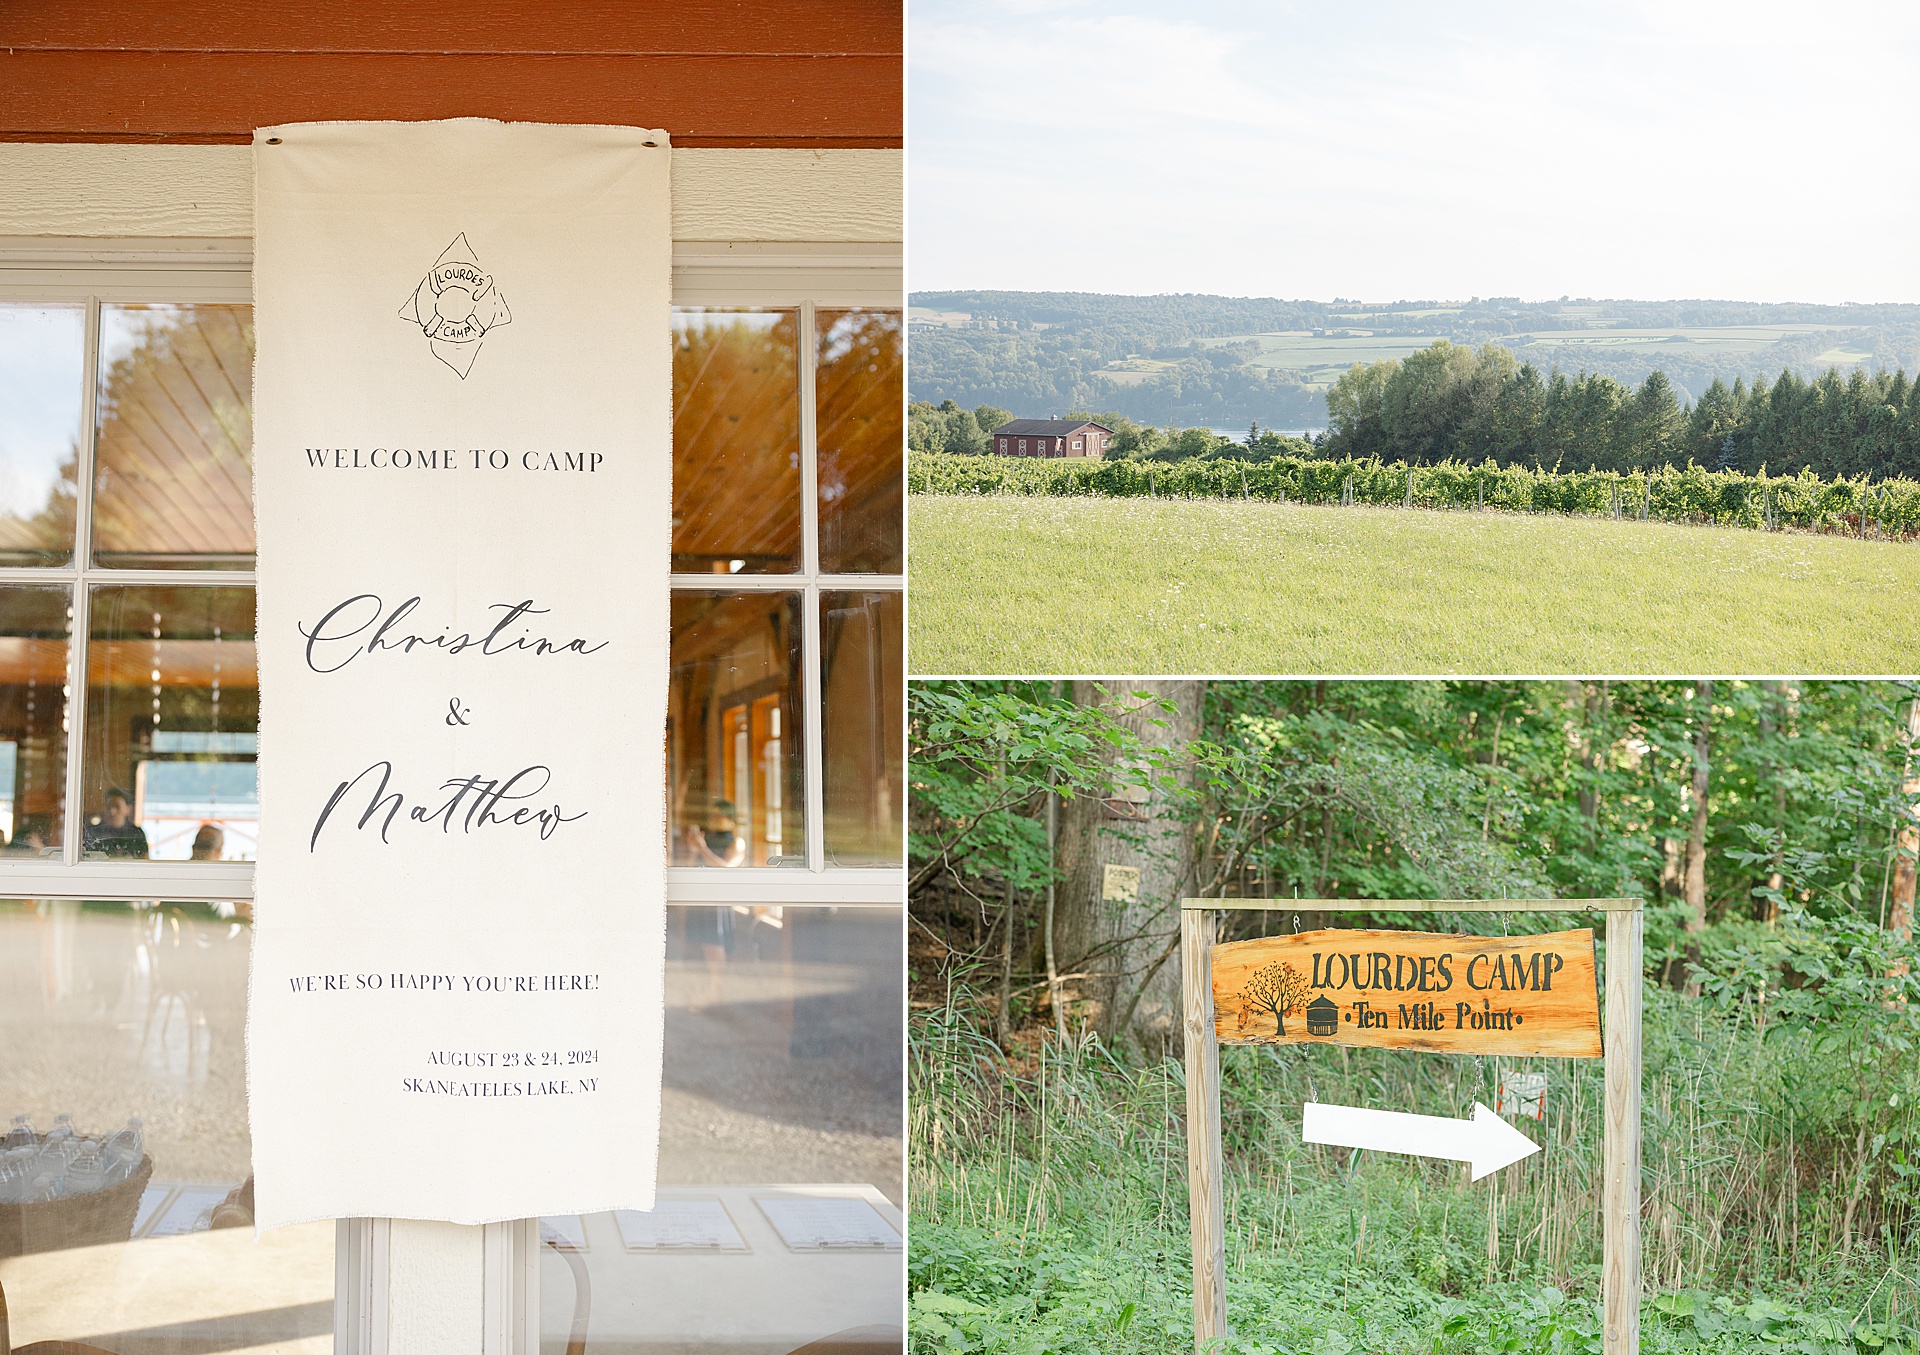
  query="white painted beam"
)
[{"x": 68, "y": 189}]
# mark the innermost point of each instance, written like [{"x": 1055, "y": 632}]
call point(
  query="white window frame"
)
[
  {"x": 449, "y": 1266},
  {"x": 810, "y": 277}
]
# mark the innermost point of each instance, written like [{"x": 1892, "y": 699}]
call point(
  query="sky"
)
[{"x": 1381, "y": 151}]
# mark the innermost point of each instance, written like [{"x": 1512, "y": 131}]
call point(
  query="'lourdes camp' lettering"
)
[{"x": 1411, "y": 990}]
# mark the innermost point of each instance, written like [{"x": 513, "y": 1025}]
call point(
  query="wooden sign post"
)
[{"x": 1411, "y": 990}]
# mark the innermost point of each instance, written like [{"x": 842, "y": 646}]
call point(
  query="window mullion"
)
[
  {"x": 73, "y": 812},
  {"x": 811, "y": 692}
]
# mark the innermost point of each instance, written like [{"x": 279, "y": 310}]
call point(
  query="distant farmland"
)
[{"x": 1318, "y": 359}]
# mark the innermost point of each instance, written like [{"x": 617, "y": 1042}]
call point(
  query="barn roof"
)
[{"x": 1047, "y": 428}]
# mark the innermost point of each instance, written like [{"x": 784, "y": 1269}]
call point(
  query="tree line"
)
[
  {"x": 969, "y": 432},
  {"x": 1451, "y": 402},
  {"x": 1769, "y": 826},
  {"x": 1733, "y": 807}
]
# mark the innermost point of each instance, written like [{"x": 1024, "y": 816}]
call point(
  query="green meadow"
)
[{"x": 1006, "y": 585}]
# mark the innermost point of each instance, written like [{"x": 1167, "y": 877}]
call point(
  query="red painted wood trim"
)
[
  {"x": 578, "y": 27},
  {"x": 739, "y": 100}
]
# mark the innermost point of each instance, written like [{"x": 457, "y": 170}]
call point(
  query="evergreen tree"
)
[
  {"x": 1711, "y": 426},
  {"x": 1519, "y": 418},
  {"x": 1650, "y": 427}
]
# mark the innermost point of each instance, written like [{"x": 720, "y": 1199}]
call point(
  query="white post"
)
[
  {"x": 1620, "y": 1191},
  {"x": 1203, "y": 1128}
]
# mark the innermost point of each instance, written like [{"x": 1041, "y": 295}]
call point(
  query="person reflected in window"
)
[
  {"x": 112, "y": 832},
  {"x": 30, "y": 836},
  {"x": 208, "y": 843},
  {"x": 718, "y": 844}
]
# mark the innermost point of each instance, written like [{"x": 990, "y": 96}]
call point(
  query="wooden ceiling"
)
[
  {"x": 174, "y": 472},
  {"x": 736, "y": 440},
  {"x": 861, "y": 441}
]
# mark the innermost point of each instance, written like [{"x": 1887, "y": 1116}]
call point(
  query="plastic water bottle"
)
[
  {"x": 62, "y": 1129},
  {"x": 48, "y": 1175},
  {"x": 124, "y": 1151},
  {"x": 16, "y": 1169},
  {"x": 21, "y": 1135},
  {"x": 88, "y": 1170}
]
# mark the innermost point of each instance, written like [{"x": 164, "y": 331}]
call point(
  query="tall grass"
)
[
  {"x": 1048, "y": 1197},
  {"x": 1013, "y": 584},
  {"x": 1663, "y": 494}
]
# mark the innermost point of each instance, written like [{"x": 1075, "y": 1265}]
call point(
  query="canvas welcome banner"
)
[{"x": 462, "y": 475}]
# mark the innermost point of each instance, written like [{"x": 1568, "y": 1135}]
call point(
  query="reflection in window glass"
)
[
  {"x": 862, "y": 741},
  {"x": 42, "y": 355},
  {"x": 734, "y": 763},
  {"x": 173, "y": 473},
  {"x": 173, "y": 714},
  {"x": 861, "y": 446},
  {"x": 126, "y": 1189},
  {"x": 35, "y": 624},
  {"x": 783, "y": 1097},
  {"x": 736, "y": 441}
]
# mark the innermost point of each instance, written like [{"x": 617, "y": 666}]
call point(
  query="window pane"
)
[
  {"x": 35, "y": 624},
  {"x": 173, "y": 474},
  {"x": 861, "y": 740},
  {"x": 734, "y": 765},
  {"x": 783, "y": 1069},
  {"x": 125, "y": 1024},
  {"x": 861, "y": 441},
  {"x": 42, "y": 379},
  {"x": 173, "y": 714},
  {"x": 736, "y": 441}
]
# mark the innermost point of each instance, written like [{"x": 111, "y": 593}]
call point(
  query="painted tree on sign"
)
[{"x": 1278, "y": 988}]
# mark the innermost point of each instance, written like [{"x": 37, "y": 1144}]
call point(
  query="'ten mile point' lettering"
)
[{"x": 1411, "y": 990}]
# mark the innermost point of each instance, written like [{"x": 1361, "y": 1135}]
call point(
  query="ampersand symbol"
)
[{"x": 456, "y": 714}]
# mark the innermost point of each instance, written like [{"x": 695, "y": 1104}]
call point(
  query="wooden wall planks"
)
[
  {"x": 613, "y": 27},
  {"x": 710, "y": 73}
]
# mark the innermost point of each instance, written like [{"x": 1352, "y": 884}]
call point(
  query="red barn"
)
[{"x": 1052, "y": 437}]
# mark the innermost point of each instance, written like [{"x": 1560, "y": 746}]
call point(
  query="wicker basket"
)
[{"x": 78, "y": 1221}]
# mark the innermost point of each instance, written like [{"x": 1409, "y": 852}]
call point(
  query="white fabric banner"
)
[{"x": 462, "y": 479}]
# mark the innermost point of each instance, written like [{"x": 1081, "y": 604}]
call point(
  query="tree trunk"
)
[
  {"x": 1008, "y": 920},
  {"x": 1697, "y": 835},
  {"x": 1127, "y": 948},
  {"x": 1900, "y": 920}
]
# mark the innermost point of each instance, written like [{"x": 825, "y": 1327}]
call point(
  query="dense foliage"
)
[
  {"x": 1663, "y": 494},
  {"x": 960, "y": 432},
  {"x": 1449, "y": 402},
  {"x": 1782, "y": 1028},
  {"x": 1041, "y": 352}
]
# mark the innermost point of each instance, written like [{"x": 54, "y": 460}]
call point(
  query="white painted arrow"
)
[{"x": 1486, "y": 1141}]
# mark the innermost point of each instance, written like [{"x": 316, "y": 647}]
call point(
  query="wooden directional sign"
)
[{"x": 1411, "y": 990}]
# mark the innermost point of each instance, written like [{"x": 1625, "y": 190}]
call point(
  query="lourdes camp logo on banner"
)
[{"x": 455, "y": 305}]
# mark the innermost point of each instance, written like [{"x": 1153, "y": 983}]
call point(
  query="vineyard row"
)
[{"x": 1855, "y": 506}]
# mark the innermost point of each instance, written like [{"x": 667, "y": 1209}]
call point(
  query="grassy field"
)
[
  {"x": 1039, "y": 585},
  {"x": 1049, "y": 1210}
]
